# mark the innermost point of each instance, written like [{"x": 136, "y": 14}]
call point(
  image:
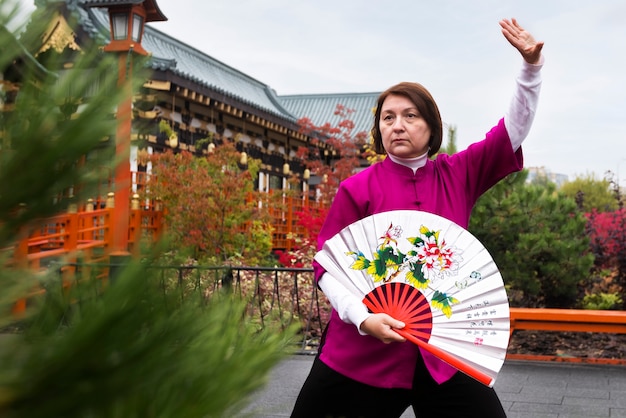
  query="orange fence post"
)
[
  {"x": 70, "y": 241},
  {"x": 20, "y": 259},
  {"x": 20, "y": 253},
  {"x": 70, "y": 238},
  {"x": 87, "y": 231},
  {"x": 19, "y": 307},
  {"x": 108, "y": 228},
  {"x": 89, "y": 222}
]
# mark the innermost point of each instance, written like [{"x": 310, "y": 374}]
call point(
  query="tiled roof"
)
[
  {"x": 200, "y": 68},
  {"x": 193, "y": 65},
  {"x": 320, "y": 108}
]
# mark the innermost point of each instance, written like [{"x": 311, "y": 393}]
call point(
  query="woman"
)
[{"x": 364, "y": 368}]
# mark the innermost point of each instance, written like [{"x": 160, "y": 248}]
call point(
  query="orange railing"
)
[
  {"x": 285, "y": 221},
  {"x": 85, "y": 234},
  {"x": 567, "y": 320}
]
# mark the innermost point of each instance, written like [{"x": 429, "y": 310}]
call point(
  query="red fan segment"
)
[
  {"x": 404, "y": 303},
  {"x": 407, "y": 304}
]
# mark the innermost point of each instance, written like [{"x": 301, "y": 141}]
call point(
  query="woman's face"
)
[{"x": 404, "y": 132}]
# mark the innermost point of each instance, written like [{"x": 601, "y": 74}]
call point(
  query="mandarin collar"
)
[{"x": 405, "y": 171}]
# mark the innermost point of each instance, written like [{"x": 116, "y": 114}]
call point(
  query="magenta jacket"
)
[{"x": 447, "y": 186}]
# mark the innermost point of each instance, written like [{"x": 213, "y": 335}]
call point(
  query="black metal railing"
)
[{"x": 286, "y": 295}]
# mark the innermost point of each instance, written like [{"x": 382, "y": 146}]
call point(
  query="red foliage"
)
[
  {"x": 289, "y": 259},
  {"x": 607, "y": 233},
  {"x": 338, "y": 162},
  {"x": 301, "y": 256},
  {"x": 312, "y": 221}
]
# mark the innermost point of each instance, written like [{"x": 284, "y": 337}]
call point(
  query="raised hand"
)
[{"x": 522, "y": 40}]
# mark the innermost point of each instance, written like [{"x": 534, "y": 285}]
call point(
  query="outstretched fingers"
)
[{"x": 522, "y": 40}]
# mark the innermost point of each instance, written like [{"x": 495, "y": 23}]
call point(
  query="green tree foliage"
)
[
  {"x": 83, "y": 348},
  {"x": 590, "y": 193},
  {"x": 212, "y": 207},
  {"x": 537, "y": 238}
]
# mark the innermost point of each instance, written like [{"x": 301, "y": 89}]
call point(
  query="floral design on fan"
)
[{"x": 428, "y": 259}]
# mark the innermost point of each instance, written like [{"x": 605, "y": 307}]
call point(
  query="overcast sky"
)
[{"x": 453, "y": 47}]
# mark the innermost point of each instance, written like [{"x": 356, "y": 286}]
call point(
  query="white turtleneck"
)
[{"x": 413, "y": 163}]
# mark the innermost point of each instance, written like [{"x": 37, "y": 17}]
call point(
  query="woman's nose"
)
[{"x": 398, "y": 125}]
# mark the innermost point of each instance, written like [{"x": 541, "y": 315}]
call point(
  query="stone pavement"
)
[{"x": 526, "y": 389}]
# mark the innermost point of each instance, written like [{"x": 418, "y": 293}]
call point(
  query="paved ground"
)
[{"x": 527, "y": 389}]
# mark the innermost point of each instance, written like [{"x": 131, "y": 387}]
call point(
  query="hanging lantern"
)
[{"x": 127, "y": 20}]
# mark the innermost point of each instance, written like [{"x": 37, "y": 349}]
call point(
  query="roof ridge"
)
[{"x": 329, "y": 95}]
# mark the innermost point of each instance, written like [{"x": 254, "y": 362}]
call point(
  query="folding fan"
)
[{"x": 433, "y": 275}]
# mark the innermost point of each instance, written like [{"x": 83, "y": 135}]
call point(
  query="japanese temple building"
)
[{"x": 200, "y": 97}]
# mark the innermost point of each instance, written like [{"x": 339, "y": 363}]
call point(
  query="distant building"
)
[{"x": 535, "y": 173}]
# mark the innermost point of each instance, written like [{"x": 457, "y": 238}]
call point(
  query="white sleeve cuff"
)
[
  {"x": 519, "y": 118},
  {"x": 349, "y": 307}
]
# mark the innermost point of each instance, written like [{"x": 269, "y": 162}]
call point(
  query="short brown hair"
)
[{"x": 423, "y": 100}]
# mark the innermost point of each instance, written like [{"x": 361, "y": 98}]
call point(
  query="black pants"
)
[{"x": 328, "y": 394}]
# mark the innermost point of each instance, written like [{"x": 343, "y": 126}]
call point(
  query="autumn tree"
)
[
  {"x": 213, "y": 211},
  {"x": 607, "y": 231},
  {"x": 338, "y": 160},
  {"x": 341, "y": 155}
]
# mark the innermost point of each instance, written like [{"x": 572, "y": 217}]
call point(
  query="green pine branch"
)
[{"x": 126, "y": 349}]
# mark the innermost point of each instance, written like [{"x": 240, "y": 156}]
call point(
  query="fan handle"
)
[{"x": 450, "y": 359}]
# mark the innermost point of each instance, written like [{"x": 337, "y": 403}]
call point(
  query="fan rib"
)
[{"x": 404, "y": 303}]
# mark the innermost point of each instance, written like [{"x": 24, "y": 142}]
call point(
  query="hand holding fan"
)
[{"x": 434, "y": 276}]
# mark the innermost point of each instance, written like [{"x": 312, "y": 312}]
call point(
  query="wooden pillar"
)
[{"x": 121, "y": 212}]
